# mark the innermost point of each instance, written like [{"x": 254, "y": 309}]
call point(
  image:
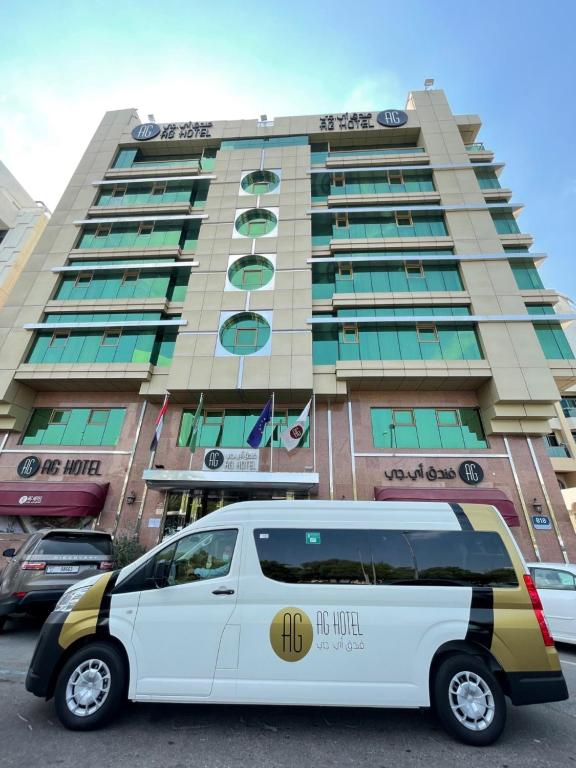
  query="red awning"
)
[
  {"x": 491, "y": 496},
  {"x": 52, "y": 499}
]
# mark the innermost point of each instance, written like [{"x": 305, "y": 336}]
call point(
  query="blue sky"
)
[{"x": 63, "y": 63}]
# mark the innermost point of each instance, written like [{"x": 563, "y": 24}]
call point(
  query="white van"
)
[{"x": 368, "y": 604}]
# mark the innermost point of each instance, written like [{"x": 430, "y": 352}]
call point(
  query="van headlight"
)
[{"x": 69, "y": 599}]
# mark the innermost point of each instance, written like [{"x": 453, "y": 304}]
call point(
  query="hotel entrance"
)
[{"x": 185, "y": 507}]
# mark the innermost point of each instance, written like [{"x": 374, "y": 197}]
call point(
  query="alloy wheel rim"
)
[
  {"x": 88, "y": 687},
  {"x": 471, "y": 701}
]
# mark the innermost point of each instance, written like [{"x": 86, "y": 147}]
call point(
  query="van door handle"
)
[{"x": 223, "y": 592}]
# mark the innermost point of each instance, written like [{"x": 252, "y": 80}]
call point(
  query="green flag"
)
[{"x": 195, "y": 425}]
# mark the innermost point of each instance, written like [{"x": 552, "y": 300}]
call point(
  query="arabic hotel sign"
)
[{"x": 469, "y": 471}]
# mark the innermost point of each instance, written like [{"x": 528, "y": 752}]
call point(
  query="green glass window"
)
[
  {"x": 251, "y": 272},
  {"x": 156, "y": 234},
  {"x": 552, "y": 338},
  {"x": 74, "y": 426},
  {"x": 256, "y": 222},
  {"x": 505, "y": 223},
  {"x": 526, "y": 275},
  {"x": 370, "y": 183},
  {"x": 229, "y": 428},
  {"x": 260, "y": 182},
  {"x": 265, "y": 143},
  {"x": 135, "y": 158},
  {"x": 107, "y": 345},
  {"x": 379, "y": 224},
  {"x": 244, "y": 333},
  {"x": 427, "y": 428},
  {"x": 158, "y": 193},
  {"x": 487, "y": 179},
  {"x": 123, "y": 283}
]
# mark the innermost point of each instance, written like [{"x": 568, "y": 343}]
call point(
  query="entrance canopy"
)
[
  {"x": 491, "y": 496},
  {"x": 182, "y": 480},
  {"x": 52, "y": 499}
]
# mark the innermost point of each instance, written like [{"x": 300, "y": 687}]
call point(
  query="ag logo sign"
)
[
  {"x": 392, "y": 118},
  {"x": 145, "y": 131},
  {"x": 28, "y": 466},
  {"x": 291, "y": 634},
  {"x": 471, "y": 472}
]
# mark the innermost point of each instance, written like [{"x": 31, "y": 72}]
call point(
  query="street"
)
[{"x": 178, "y": 736}]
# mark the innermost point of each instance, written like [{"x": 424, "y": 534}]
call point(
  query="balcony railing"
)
[
  {"x": 558, "y": 451},
  {"x": 390, "y": 151},
  {"x": 478, "y": 146}
]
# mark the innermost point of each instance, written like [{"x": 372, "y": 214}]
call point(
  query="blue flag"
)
[{"x": 255, "y": 436}]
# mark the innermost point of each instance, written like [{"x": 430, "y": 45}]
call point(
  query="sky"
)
[{"x": 63, "y": 63}]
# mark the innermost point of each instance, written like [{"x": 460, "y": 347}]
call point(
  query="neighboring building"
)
[
  {"x": 22, "y": 221},
  {"x": 371, "y": 261}
]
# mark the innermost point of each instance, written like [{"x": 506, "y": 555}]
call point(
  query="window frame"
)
[
  {"x": 339, "y": 179},
  {"x": 91, "y": 423},
  {"x": 345, "y": 270},
  {"x": 67, "y": 411},
  {"x": 414, "y": 265},
  {"x": 341, "y": 221},
  {"x": 144, "y": 226},
  {"x": 103, "y": 230},
  {"x": 130, "y": 272},
  {"x": 398, "y": 174},
  {"x": 254, "y": 329},
  {"x": 118, "y": 188},
  {"x": 350, "y": 328},
  {"x": 399, "y": 215},
  {"x": 427, "y": 327},
  {"x": 58, "y": 335},
  {"x": 83, "y": 279},
  {"x": 111, "y": 333},
  {"x": 158, "y": 185},
  {"x": 456, "y": 411},
  {"x": 395, "y": 423}
]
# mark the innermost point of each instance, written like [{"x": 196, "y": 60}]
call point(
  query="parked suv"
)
[{"x": 48, "y": 563}]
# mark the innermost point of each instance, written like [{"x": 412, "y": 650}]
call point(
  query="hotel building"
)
[{"x": 370, "y": 262}]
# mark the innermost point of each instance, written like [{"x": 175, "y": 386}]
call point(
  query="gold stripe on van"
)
[
  {"x": 517, "y": 641},
  {"x": 83, "y": 618}
]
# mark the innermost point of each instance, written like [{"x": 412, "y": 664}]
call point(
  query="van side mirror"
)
[
  {"x": 161, "y": 573},
  {"x": 9, "y": 552}
]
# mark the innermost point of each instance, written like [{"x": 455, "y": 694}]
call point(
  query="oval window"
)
[
  {"x": 256, "y": 222},
  {"x": 250, "y": 273},
  {"x": 260, "y": 182},
  {"x": 245, "y": 333}
]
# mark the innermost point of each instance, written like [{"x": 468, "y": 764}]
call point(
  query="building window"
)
[
  {"x": 338, "y": 179},
  {"x": 341, "y": 220},
  {"x": 256, "y": 222},
  {"x": 251, "y": 272},
  {"x": 403, "y": 218},
  {"x": 74, "y": 426},
  {"x": 59, "y": 339},
  {"x": 427, "y": 428},
  {"x": 118, "y": 191},
  {"x": 345, "y": 271},
  {"x": 414, "y": 269},
  {"x": 83, "y": 279},
  {"x": 103, "y": 230},
  {"x": 158, "y": 189},
  {"x": 350, "y": 334},
  {"x": 245, "y": 333},
  {"x": 130, "y": 276},
  {"x": 427, "y": 333},
  {"x": 111, "y": 339},
  {"x": 260, "y": 182},
  {"x": 230, "y": 428},
  {"x": 395, "y": 177},
  {"x": 146, "y": 228}
]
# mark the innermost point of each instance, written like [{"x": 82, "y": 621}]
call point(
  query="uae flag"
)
[
  {"x": 159, "y": 423},
  {"x": 291, "y": 436}
]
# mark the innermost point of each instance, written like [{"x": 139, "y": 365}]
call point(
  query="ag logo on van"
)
[{"x": 291, "y": 634}]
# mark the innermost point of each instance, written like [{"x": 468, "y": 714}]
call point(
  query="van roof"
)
[{"x": 426, "y": 514}]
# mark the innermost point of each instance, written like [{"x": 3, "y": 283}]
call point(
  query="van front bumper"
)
[
  {"x": 536, "y": 687},
  {"x": 46, "y": 659}
]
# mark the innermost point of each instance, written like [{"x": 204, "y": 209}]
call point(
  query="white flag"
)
[{"x": 291, "y": 436}]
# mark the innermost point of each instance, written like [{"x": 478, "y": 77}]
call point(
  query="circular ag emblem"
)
[
  {"x": 296, "y": 432},
  {"x": 214, "y": 459},
  {"x": 291, "y": 634},
  {"x": 145, "y": 131},
  {"x": 471, "y": 472},
  {"x": 392, "y": 118},
  {"x": 28, "y": 466}
]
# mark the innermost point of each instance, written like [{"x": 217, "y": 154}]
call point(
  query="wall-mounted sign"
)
[
  {"x": 542, "y": 522},
  {"x": 232, "y": 459},
  {"x": 471, "y": 472},
  {"x": 28, "y": 466},
  {"x": 30, "y": 500},
  {"x": 31, "y": 464},
  {"x": 420, "y": 473},
  {"x": 189, "y": 130},
  {"x": 348, "y": 121},
  {"x": 392, "y": 118},
  {"x": 145, "y": 131}
]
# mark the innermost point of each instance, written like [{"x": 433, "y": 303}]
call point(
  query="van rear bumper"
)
[{"x": 536, "y": 687}]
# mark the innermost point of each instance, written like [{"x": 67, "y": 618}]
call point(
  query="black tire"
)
[
  {"x": 110, "y": 676},
  {"x": 486, "y": 724}
]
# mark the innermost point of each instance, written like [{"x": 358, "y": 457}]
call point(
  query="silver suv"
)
[{"x": 47, "y": 564}]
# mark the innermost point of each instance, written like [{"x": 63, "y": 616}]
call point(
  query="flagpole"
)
[
  {"x": 272, "y": 434},
  {"x": 192, "y": 451},
  {"x": 314, "y": 429},
  {"x": 150, "y": 464}
]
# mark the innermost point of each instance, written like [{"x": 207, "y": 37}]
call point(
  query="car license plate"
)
[{"x": 62, "y": 569}]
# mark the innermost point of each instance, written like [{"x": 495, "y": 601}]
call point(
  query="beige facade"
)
[{"x": 511, "y": 381}]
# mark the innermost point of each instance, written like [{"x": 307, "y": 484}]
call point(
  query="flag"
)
[
  {"x": 255, "y": 436},
  {"x": 192, "y": 437},
  {"x": 159, "y": 423},
  {"x": 291, "y": 436}
]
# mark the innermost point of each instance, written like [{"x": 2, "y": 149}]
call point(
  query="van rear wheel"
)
[
  {"x": 469, "y": 700},
  {"x": 90, "y": 687}
]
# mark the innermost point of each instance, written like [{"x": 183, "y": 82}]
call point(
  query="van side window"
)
[
  {"x": 323, "y": 556},
  {"x": 203, "y": 555},
  {"x": 462, "y": 558},
  {"x": 550, "y": 578}
]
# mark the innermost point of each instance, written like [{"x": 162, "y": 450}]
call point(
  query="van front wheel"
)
[
  {"x": 90, "y": 687},
  {"x": 469, "y": 700}
]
